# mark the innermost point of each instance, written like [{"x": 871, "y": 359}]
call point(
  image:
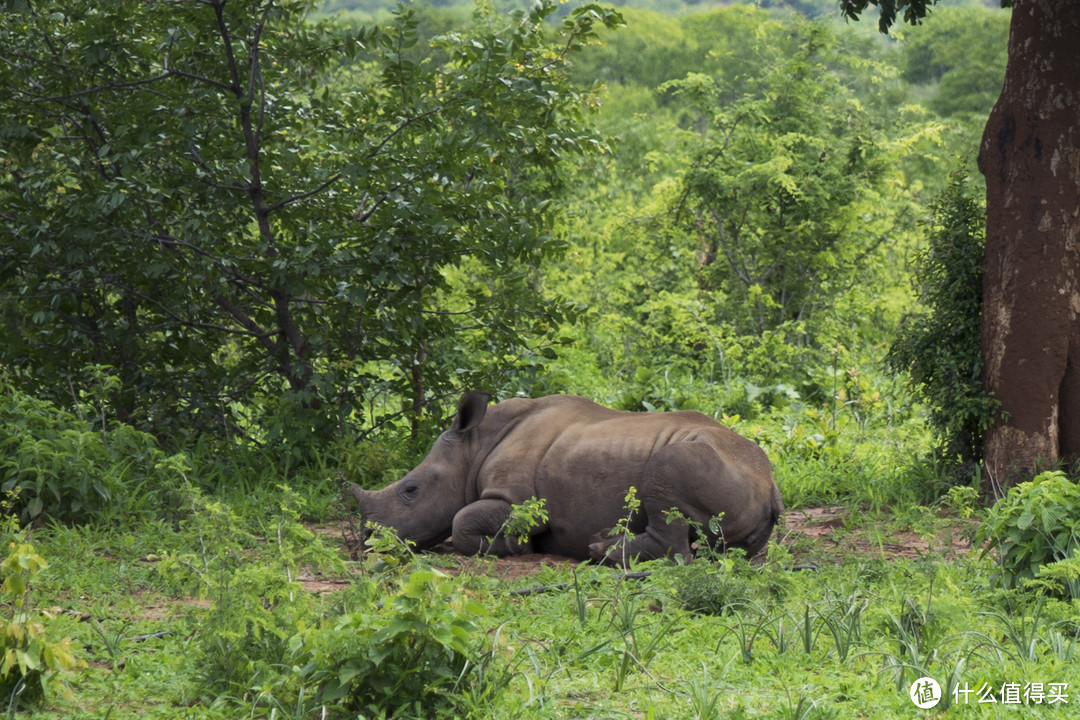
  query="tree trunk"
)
[{"x": 1030, "y": 156}]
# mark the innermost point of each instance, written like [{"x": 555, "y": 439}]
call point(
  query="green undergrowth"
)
[
  {"x": 228, "y": 615},
  {"x": 228, "y": 592}
]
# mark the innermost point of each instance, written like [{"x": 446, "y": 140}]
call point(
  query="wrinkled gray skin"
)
[{"x": 581, "y": 458}]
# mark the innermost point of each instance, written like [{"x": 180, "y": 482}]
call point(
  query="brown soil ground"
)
[{"x": 814, "y": 536}]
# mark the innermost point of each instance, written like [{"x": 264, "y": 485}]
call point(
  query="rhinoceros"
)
[{"x": 582, "y": 459}]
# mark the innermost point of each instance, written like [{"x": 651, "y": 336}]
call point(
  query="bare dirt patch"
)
[
  {"x": 833, "y": 534},
  {"x": 814, "y": 536}
]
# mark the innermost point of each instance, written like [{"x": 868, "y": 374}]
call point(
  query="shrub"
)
[
  {"x": 1035, "y": 530},
  {"x": 402, "y": 657},
  {"x": 939, "y": 347},
  {"x": 257, "y": 602},
  {"x": 55, "y": 465},
  {"x": 714, "y": 584}
]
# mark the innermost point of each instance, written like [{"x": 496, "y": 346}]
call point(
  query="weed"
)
[
  {"x": 622, "y": 532},
  {"x": 710, "y": 588},
  {"x": 581, "y": 604},
  {"x": 523, "y": 518},
  {"x": 746, "y": 631},
  {"x": 112, "y": 639},
  {"x": 803, "y": 707},
  {"x": 640, "y": 643},
  {"x": 385, "y": 549},
  {"x": 962, "y": 501},
  {"x": 843, "y": 619},
  {"x": 787, "y": 630},
  {"x": 704, "y": 696}
]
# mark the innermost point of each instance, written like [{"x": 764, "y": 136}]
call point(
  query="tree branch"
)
[{"x": 301, "y": 196}]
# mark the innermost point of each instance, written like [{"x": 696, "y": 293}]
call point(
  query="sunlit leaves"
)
[{"x": 784, "y": 192}]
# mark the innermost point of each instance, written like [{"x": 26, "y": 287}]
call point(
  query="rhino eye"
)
[{"x": 410, "y": 491}]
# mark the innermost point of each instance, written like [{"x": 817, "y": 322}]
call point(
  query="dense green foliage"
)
[
  {"x": 965, "y": 75},
  {"x": 267, "y": 240},
  {"x": 940, "y": 346},
  {"x": 54, "y": 464},
  {"x": 784, "y": 190},
  {"x": 1035, "y": 533},
  {"x": 332, "y": 229},
  {"x": 313, "y": 217}
]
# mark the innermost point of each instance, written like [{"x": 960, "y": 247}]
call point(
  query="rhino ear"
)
[{"x": 471, "y": 411}]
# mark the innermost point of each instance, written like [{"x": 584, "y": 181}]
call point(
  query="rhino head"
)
[{"x": 421, "y": 506}]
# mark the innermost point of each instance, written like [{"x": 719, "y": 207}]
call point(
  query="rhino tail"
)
[{"x": 777, "y": 503}]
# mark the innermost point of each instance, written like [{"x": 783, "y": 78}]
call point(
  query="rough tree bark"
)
[{"x": 1030, "y": 156}]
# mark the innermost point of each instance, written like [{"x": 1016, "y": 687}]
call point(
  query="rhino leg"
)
[
  {"x": 659, "y": 539},
  {"x": 672, "y": 490},
  {"x": 480, "y": 528}
]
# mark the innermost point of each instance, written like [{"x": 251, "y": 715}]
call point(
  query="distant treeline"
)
[{"x": 808, "y": 8}]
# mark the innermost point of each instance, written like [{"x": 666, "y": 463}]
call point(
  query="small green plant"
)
[
  {"x": 386, "y": 551},
  {"x": 631, "y": 506},
  {"x": 622, "y": 532},
  {"x": 748, "y": 623},
  {"x": 962, "y": 501},
  {"x": 785, "y": 629},
  {"x": 1032, "y": 529},
  {"x": 523, "y": 518},
  {"x": 803, "y": 707},
  {"x": 713, "y": 588},
  {"x": 843, "y": 620},
  {"x": 31, "y": 665},
  {"x": 704, "y": 696},
  {"x": 640, "y": 641},
  {"x": 581, "y": 600}
]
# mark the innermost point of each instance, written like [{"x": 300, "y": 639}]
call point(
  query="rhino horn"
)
[{"x": 360, "y": 495}]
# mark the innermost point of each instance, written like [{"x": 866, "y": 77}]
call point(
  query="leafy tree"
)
[
  {"x": 652, "y": 49},
  {"x": 963, "y": 52},
  {"x": 256, "y": 220},
  {"x": 665, "y": 333},
  {"x": 783, "y": 188},
  {"x": 1030, "y": 157}
]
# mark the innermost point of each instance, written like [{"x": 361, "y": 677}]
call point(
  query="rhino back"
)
[{"x": 582, "y": 458}]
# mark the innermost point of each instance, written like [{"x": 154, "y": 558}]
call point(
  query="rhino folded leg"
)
[
  {"x": 660, "y": 539},
  {"x": 479, "y": 528}
]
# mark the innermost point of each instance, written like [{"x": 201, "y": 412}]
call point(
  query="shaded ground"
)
[{"x": 814, "y": 536}]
